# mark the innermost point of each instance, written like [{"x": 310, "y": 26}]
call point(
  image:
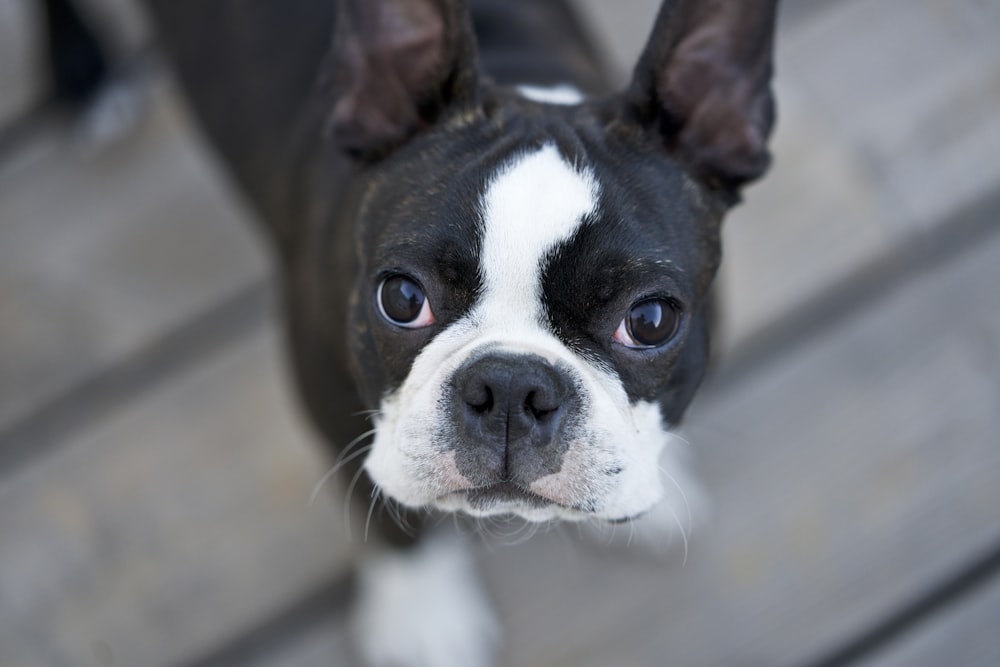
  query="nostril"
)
[
  {"x": 539, "y": 407},
  {"x": 540, "y": 415},
  {"x": 480, "y": 401}
]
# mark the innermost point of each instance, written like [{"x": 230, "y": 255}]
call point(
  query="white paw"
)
[
  {"x": 667, "y": 526},
  {"x": 424, "y": 608}
]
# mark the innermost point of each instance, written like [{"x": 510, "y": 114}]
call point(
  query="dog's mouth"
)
[
  {"x": 501, "y": 496},
  {"x": 504, "y": 493},
  {"x": 509, "y": 498}
]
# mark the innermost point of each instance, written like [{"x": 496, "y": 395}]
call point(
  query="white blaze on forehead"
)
[
  {"x": 531, "y": 206},
  {"x": 564, "y": 95}
]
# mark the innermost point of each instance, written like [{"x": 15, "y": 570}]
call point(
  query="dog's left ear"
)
[
  {"x": 704, "y": 81},
  {"x": 395, "y": 66}
]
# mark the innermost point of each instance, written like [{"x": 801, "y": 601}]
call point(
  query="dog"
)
[{"x": 501, "y": 261}]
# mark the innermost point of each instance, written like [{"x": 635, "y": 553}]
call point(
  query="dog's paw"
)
[
  {"x": 666, "y": 528},
  {"x": 424, "y": 608}
]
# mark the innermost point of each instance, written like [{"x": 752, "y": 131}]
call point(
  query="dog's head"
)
[{"x": 529, "y": 317}]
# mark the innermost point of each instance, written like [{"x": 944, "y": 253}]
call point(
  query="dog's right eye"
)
[
  {"x": 649, "y": 323},
  {"x": 401, "y": 301}
]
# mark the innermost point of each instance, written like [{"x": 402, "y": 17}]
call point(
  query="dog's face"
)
[
  {"x": 536, "y": 321},
  {"x": 529, "y": 315}
]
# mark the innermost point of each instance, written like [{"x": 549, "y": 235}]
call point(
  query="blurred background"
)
[{"x": 155, "y": 471}]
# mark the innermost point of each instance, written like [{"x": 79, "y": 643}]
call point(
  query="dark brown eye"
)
[
  {"x": 402, "y": 301},
  {"x": 649, "y": 323}
]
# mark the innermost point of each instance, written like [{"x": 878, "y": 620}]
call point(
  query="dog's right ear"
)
[
  {"x": 395, "y": 67},
  {"x": 704, "y": 81}
]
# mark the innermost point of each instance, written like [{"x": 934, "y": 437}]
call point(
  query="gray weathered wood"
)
[
  {"x": 325, "y": 644},
  {"x": 967, "y": 634},
  {"x": 846, "y": 477},
  {"x": 19, "y": 66},
  {"x": 169, "y": 528},
  {"x": 889, "y": 122},
  {"x": 102, "y": 254}
]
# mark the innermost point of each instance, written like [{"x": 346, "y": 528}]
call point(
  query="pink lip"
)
[{"x": 505, "y": 493}]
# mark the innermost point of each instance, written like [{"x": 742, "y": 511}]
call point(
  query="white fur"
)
[
  {"x": 529, "y": 208},
  {"x": 562, "y": 95},
  {"x": 531, "y": 205},
  {"x": 668, "y": 524},
  {"x": 424, "y": 609}
]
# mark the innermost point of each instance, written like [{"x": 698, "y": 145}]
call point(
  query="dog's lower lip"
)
[{"x": 504, "y": 493}]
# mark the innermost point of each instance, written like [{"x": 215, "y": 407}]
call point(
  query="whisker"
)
[
  {"x": 525, "y": 531},
  {"x": 680, "y": 489},
  {"x": 390, "y": 505},
  {"x": 376, "y": 492},
  {"x": 403, "y": 521},
  {"x": 339, "y": 463},
  {"x": 370, "y": 415},
  {"x": 349, "y": 497},
  {"x": 533, "y": 530},
  {"x": 333, "y": 471},
  {"x": 675, "y": 434},
  {"x": 354, "y": 442},
  {"x": 683, "y": 533}
]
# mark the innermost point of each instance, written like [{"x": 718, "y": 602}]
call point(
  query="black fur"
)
[{"x": 363, "y": 162}]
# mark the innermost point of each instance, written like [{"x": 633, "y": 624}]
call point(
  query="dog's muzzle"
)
[{"x": 511, "y": 415}]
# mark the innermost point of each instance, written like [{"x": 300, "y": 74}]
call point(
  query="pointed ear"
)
[
  {"x": 395, "y": 66},
  {"x": 704, "y": 79}
]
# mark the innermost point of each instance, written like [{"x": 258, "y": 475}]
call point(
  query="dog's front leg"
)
[{"x": 423, "y": 607}]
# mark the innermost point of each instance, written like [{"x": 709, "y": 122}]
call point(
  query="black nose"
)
[{"x": 509, "y": 408}]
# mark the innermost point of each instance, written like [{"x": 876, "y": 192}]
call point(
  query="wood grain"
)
[
  {"x": 965, "y": 634},
  {"x": 103, "y": 254},
  {"x": 170, "y": 527}
]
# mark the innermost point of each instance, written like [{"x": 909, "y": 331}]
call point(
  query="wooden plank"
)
[
  {"x": 102, "y": 254},
  {"x": 621, "y": 31},
  {"x": 966, "y": 634},
  {"x": 845, "y": 479},
  {"x": 919, "y": 100},
  {"x": 889, "y": 122},
  {"x": 325, "y": 644},
  {"x": 19, "y": 44},
  {"x": 169, "y": 528}
]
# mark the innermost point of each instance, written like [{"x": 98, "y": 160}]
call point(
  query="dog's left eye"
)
[
  {"x": 401, "y": 301},
  {"x": 649, "y": 323}
]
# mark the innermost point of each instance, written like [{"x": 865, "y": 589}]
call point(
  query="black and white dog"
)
[{"x": 505, "y": 262}]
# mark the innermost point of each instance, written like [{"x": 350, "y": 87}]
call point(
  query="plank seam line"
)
[
  {"x": 925, "y": 606},
  {"x": 924, "y": 252},
  {"x": 230, "y": 319},
  {"x": 327, "y": 602}
]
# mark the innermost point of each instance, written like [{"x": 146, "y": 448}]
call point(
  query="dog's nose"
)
[{"x": 509, "y": 403}]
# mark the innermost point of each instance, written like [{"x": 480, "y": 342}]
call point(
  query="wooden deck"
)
[{"x": 155, "y": 472}]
